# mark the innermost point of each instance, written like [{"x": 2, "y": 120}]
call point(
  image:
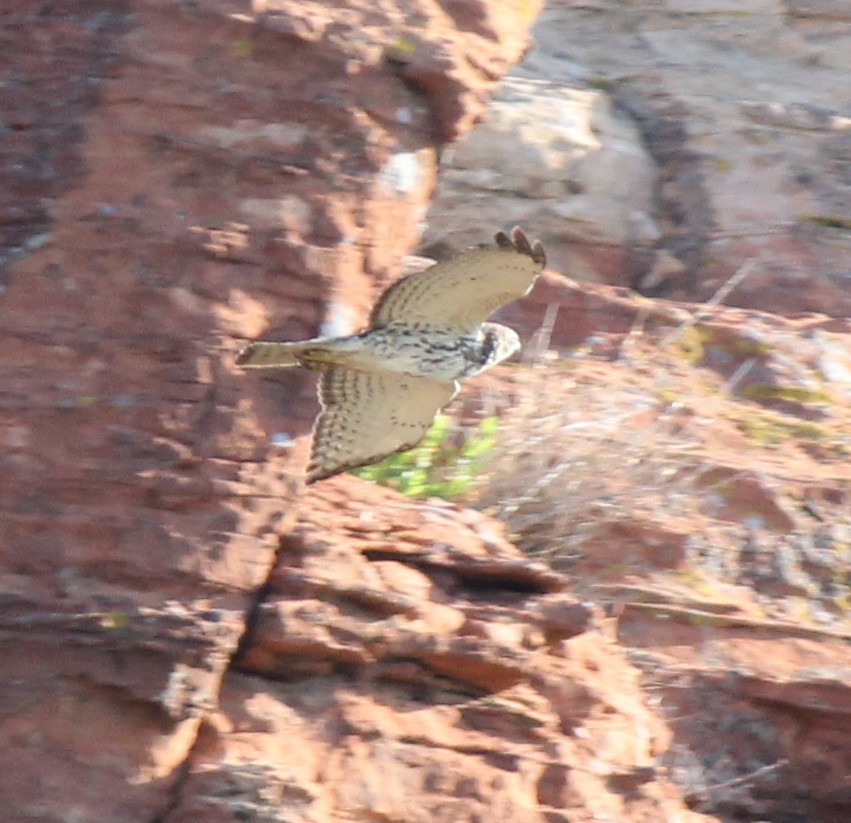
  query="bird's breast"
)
[{"x": 433, "y": 353}]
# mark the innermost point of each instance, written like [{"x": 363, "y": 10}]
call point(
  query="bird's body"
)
[
  {"x": 418, "y": 351},
  {"x": 381, "y": 388}
]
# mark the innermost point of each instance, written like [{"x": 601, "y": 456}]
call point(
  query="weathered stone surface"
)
[
  {"x": 176, "y": 178},
  {"x": 556, "y": 158},
  {"x": 186, "y": 635},
  {"x": 423, "y": 689},
  {"x": 680, "y": 141},
  {"x": 710, "y": 521}
]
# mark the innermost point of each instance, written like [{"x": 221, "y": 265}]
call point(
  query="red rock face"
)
[{"x": 184, "y": 634}]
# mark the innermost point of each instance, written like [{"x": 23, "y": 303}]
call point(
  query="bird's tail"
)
[{"x": 283, "y": 355}]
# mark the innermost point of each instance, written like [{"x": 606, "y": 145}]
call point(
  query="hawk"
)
[{"x": 381, "y": 389}]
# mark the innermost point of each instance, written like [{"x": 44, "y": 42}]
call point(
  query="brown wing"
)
[
  {"x": 463, "y": 292},
  {"x": 366, "y": 416}
]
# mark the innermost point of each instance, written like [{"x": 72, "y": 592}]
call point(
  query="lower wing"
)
[{"x": 367, "y": 416}]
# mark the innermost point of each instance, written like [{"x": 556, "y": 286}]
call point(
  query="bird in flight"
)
[{"x": 381, "y": 389}]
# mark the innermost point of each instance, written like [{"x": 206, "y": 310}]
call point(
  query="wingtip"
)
[
  {"x": 517, "y": 241},
  {"x": 538, "y": 254},
  {"x": 520, "y": 241},
  {"x": 315, "y": 474},
  {"x": 503, "y": 240}
]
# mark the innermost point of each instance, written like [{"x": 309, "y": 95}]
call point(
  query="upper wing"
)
[
  {"x": 368, "y": 415},
  {"x": 462, "y": 292}
]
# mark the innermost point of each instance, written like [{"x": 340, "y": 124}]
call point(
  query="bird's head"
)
[{"x": 499, "y": 343}]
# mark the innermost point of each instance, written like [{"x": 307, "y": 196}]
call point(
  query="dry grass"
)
[
  {"x": 569, "y": 456},
  {"x": 610, "y": 467}
]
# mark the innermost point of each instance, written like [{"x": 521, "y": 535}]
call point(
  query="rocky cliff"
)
[{"x": 639, "y": 612}]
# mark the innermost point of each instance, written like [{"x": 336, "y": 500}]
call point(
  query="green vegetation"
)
[
  {"x": 829, "y": 221},
  {"x": 404, "y": 46},
  {"x": 599, "y": 83},
  {"x": 772, "y": 431},
  {"x": 692, "y": 344},
  {"x": 689, "y": 345},
  {"x": 794, "y": 394},
  {"x": 243, "y": 48},
  {"x": 439, "y": 466}
]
